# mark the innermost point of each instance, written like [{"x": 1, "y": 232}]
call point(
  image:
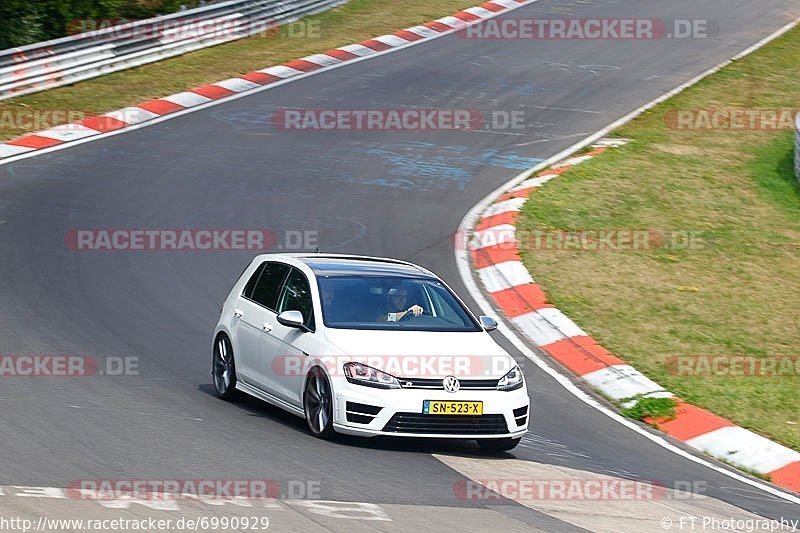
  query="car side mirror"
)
[
  {"x": 488, "y": 323},
  {"x": 291, "y": 319}
]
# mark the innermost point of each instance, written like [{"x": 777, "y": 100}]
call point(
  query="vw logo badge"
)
[{"x": 451, "y": 384}]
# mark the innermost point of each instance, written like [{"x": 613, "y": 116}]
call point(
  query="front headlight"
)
[
  {"x": 369, "y": 377},
  {"x": 512, "y": 380}
]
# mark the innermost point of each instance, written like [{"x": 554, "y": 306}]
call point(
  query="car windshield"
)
[{"x": 392, "y": 303}]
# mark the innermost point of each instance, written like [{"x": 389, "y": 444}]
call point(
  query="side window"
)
[
  {"x": 297, "y": 297},
  {"x": 431, "y": 302},
  {"x": 269, "y": 283},
  {"x": 444, "y": 310},
  {"x": 251, "y": 285}
]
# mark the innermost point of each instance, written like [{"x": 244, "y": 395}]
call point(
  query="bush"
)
[{"x": 25, "y": 22}]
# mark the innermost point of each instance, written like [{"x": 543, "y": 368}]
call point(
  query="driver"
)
[{"x": 396, "y": 305}]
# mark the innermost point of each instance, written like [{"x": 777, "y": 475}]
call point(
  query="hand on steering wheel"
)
[{"x": 414, "y": 310}]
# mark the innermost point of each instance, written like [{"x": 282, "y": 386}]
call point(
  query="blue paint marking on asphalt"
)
[
  {"x": 417, "y": 165},
  {"x": 510, "y": 160},
  {"x": 245, "y": 119},
  {"x": 419, "y": 185},
  {"x": 424, "y": 166}
]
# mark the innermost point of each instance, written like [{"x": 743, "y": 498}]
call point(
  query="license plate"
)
[{"x": 431, "y": 407}]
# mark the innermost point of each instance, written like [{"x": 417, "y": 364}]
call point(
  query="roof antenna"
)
[{"x": 317, "y": 250}]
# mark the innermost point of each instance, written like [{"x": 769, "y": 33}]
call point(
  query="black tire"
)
[
  {"x": 318, "y": 404},
  {"x": 223, "y": 368},
  {"x": 498, "y": 445}
]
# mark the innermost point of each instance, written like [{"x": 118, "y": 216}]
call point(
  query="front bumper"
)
[{"x": 407, "y": 404}]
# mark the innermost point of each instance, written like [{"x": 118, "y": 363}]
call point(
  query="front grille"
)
[
  {"x": 447, "y": 424},
  {"x": 436, "y": 383}
]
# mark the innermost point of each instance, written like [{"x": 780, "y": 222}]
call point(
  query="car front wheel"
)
[
  {"x": 318, "y": 404},
  {"x": 223, "y": 369}
]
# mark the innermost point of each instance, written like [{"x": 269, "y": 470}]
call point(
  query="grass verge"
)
[
  {"x": 656, "y": 408},
  {"x": 353, "y": 22},
  {"x": 737, "y": 291}
]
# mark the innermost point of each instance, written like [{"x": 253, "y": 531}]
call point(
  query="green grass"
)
[
  {"x": 350, "y": 23},
  {"x": 739, "y": 293},
  {"x": 660, "y": 408}
]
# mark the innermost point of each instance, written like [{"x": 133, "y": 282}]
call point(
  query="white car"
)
[{"x": 367, "y": 346}]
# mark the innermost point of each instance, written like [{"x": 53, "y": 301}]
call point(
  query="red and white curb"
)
[
  {"x": 496, "y": 259},
  {"x": 115, "y": 121}
]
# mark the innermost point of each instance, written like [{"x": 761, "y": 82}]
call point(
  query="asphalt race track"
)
[{"x": 398, "y": 194}]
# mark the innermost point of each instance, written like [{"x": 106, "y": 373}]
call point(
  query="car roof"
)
[{"x": 327, "y": 265}]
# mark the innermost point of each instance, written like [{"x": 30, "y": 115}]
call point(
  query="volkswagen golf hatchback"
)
[{"x": 367, "y": 346}]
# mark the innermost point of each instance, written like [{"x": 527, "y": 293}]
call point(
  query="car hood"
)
[{"x": 425, "y": 354}]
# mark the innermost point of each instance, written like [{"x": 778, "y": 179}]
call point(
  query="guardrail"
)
[
  {"x": 797, "y": 147},
  {"x": 49, "y": 64}
]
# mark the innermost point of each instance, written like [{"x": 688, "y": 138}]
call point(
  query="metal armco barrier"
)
[
  {"x": 797, "y": 147},
  {"x": 49, "y": 64}
]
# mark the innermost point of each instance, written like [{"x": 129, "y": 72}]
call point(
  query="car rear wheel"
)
[
  {"x": 498, "y": 445},
  {"x": 318, "y": 404},
  {"x": 223, "y": 369}
]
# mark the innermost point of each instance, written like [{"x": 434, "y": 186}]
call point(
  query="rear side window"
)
[
  {"x": 266, "y": 288},
  {"x": 251, "y": 285},
  {"x": 297, "y": 297}
]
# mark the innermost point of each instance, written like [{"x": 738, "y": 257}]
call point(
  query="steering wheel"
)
[{"x": 410, "y": 315}]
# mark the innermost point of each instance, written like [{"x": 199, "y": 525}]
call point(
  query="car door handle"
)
[
  {"x": 238, "y": 313},
  {"x": 266, "y": 327}
]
